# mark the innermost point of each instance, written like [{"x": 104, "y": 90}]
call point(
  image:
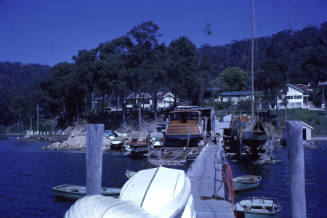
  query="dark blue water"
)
[
  {"x": 27, "y": 174},
  {"x": 275, "y": 182}
]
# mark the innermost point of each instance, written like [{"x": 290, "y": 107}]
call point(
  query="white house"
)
[
  {"x": 234, "y": 97},
  {"x": 165, "y": 100},
  {"x": 294, "y": 97},
  {"x": 134, "y": 99}
]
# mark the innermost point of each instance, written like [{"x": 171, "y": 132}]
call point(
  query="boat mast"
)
[{"x": 252, "y": 62}]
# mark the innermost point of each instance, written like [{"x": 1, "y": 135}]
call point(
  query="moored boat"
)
[
  {"x": 255, "y": 135},
  {"x": 77, "y": 191},
  {"x": 246, "y": 182},
  {"x": 184, "y": 127},
  {"x": 138, "y": 144},
  {"x": 258, "y": 207},
  {"x": 157, "y": 192},
  {"x": 156, "y": 139}
]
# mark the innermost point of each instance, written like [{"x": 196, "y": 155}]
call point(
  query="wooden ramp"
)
[{"x": 202, "y": 174}]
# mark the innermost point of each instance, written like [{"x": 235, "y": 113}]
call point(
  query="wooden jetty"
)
[{"x": 206, "y": 176}]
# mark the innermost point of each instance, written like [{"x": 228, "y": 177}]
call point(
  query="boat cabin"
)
[{"x": 184, "y": 125}]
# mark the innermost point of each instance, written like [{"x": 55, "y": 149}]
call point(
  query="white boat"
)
[
  {"x": 129, "y": 173},
  {"x": 156, "y": 139},
  {"x": 157, "y": 192},
  {"x": 259, "y": 207},
  {"x": 77, "y": 191},
  {"x": 246, "y": 182}
]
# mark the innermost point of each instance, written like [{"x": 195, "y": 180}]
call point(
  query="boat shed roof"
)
[
  {"x": 236, "y": 93},
  {"x": 307, "y": 125}
]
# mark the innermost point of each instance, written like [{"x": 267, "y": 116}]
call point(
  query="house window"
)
[{"x": 145, "y": 101}]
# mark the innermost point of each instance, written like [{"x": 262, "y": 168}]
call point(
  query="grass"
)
[{"x": 316, "y": 119}]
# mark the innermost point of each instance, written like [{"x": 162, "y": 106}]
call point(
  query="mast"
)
[{"x": 252, "y": 62}]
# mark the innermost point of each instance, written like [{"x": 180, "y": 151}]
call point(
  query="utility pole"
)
[{"x": 37, "y": 118}]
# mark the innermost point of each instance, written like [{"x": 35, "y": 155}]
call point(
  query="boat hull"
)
[
  {"x": 239, "y": 186},
  {"x": 258, "y": 208},
  {"x": 256, "y": 215},
  {"x": 181, "y": 140}
]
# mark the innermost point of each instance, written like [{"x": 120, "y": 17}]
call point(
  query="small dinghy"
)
[
  {"x": 246, "y": 182},
  {"x": 76, "y": 191},
  {"x": 129, "y": 173},
  {"x": 258, "y": 207}
]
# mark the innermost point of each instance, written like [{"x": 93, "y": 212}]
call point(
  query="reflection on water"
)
[{"x": 275, "y": 180}]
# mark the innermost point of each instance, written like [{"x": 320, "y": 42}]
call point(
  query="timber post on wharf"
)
[
  {"x": 294, "y": 140},
  {"x": 94, "y": 142}
]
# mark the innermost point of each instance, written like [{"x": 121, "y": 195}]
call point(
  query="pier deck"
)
[{"x": 202, "y": 173}]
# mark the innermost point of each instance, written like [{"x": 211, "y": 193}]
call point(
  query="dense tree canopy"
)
[
  {"x": 137, "y": 62},
  {"x": 234, "y": 79}
]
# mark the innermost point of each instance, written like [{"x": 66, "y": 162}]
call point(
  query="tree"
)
[
  {"x": 183, "y": 70},
  {"x": 17, "y": 108},
  {"x": 114, "y": 57},
  {"x": 155, "y": 74},
  {"x": 271, "y": 79},
  {"x": 234, "y": 79},
  {"x": 204, "y": 71},
  {"x": 145, "y": 37}
]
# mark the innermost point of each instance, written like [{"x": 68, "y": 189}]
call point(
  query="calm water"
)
[
  {"x": 28, "y": 173},
  {"x": 275, "y": 180}
]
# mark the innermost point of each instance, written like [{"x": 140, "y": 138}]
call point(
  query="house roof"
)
[
  {"x": 135, "y": 95},
  {"x": 161, "y": 95},
  {"x": 307, "y": 125},
  {"x": 236, "y": 93},
  {"x": 296, "y": 88}
]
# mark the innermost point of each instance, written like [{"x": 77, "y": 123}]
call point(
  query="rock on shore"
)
[{"x": 76, "y": 142}]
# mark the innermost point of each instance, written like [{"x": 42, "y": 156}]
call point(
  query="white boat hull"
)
[
  {"x": 152, "y": 193},
  {"x": 238, "y": 186},
  {"x": 246, "y": 182},
  {"x": 256, "y": 215},
  {"x": 259, "y": 207}
]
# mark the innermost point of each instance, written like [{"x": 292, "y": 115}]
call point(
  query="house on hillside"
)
[
  {"x": 234, "y": 97},
  {"x": 134, "y": 99},
  {"x": 165, "y": 100},
  {"x": 295, "y": 98}
]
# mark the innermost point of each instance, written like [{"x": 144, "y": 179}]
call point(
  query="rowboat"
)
[
  {"x": 256, "y": 207},
  {"x": 77, "y": 191},
  {"x": 246, "y": 182}
]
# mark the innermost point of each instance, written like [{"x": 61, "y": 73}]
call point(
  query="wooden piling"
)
[
  {"x": 94, "y": 142},
  {"x": 294, "y": 140}
]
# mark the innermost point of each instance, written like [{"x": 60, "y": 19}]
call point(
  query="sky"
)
[{"x": 52, "y": 31}]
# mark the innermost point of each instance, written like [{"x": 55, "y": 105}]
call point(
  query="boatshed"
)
[{"x": 307, "y": 131}]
